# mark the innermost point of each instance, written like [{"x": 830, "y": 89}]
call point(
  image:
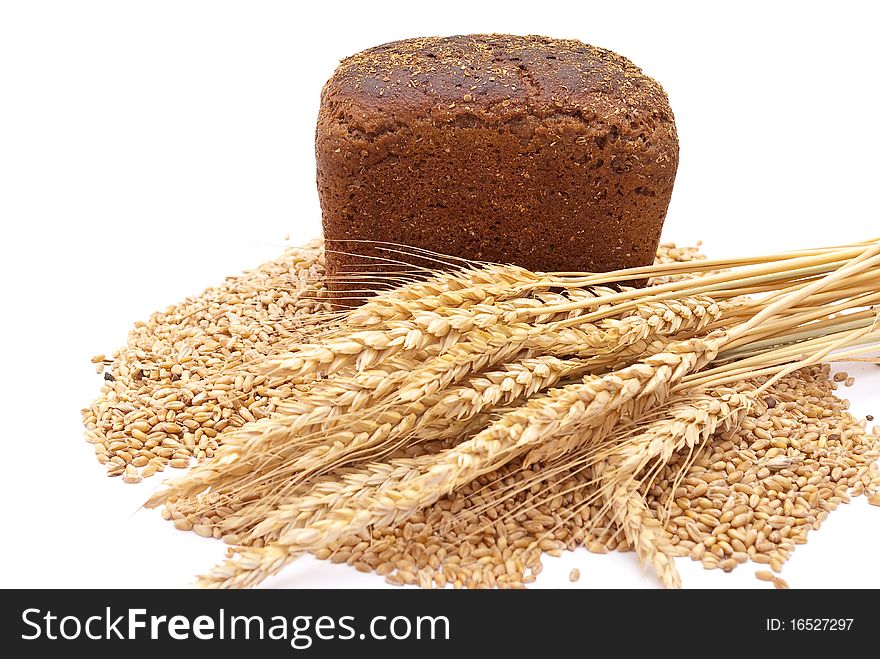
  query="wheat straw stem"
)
[
  {"x": 818, "y": 317},
  {"x": 859, "y": 264},
  {"x": 710, "y": 283},
  {"x": 771, "y": 361},
  {"x": 812, "y": 331},
  {"x": 670, "y": 269}
]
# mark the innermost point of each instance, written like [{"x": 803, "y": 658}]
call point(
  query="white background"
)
[{"x": 148, "y": 149}]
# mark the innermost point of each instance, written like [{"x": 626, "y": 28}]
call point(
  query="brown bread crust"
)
[{"x": 547, "y": 153}]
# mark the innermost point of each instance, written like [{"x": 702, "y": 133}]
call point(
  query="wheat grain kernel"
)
[{"x": 780, "y": 583}]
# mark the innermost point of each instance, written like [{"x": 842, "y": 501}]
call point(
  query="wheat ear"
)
[
  {"x": 559, "y": 412},
  {"x": 689, "y": 422},
  {"x": 666, "y": 318},
  {"x": 645, "y": 534},
  {"x": 692, "y": 418},
  {"x": 454, "y": 289},
  {"x": 673, "y": 364}
]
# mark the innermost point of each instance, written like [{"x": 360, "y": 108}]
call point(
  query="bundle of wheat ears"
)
[{"x": 449, "y": 380}]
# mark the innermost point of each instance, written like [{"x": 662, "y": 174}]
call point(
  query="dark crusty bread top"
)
[{"x": 489, "y": 79}]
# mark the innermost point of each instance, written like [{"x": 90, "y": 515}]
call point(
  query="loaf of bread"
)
[{"x": 546, "y": 153}]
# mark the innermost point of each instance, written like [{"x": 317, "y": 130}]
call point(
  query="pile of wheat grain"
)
[
  {"x": 425, "y": 452},
  {"x": 177, "y": 386}
]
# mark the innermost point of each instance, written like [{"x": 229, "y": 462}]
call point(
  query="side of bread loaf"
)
[{"x": 550, "y": 154}]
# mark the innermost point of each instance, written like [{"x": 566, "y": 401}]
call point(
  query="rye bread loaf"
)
[{"x": 547, "y": 153}]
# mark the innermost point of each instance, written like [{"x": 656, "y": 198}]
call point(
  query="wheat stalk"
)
[
  {"x": 679, "y": 359},
  {"x": 248, "y": 568},
  {"x": 497, "y": 343},
  {"x": 442, "y": 327},
  {"x": 456, "y": 344}
]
